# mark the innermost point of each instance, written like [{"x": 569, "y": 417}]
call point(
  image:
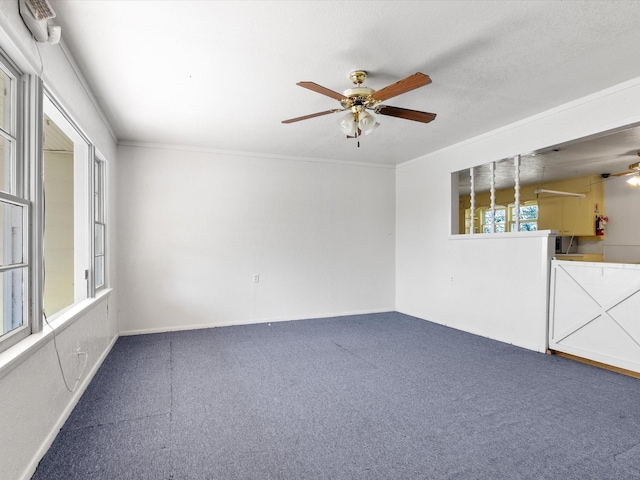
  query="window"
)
[
  {"x": 66, "y": 256},
  {"x": 14, "y": 216},
  {"x": 501, "y": 219},
  {"x": 528, "y": 217},
  {"x": 14, "y": 212},
  {"x": 505, "y": 218},
  {"x": 52, "y": 209},
  {"x": 99, "y": 224}
]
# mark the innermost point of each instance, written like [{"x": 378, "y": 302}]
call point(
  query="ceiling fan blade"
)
[
  {"x": 415, "y": 115},
  {"x": 402, "y": 86},
  {"x": 622, "y": 174},
  {"x": 633, "y": 168},
  {"x": 319, "y": 114},
  {"x": 320, "y": 89}
]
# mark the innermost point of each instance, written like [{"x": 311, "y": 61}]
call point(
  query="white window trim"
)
[
  {"x": 101, "y": 198},
  {"x": 86, "y": 232},
  {"x": 17, "y": 133},
  {"x": 22, "y": 351}
]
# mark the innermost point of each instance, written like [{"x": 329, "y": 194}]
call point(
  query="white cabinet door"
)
[{"x": 593, "y": 312}]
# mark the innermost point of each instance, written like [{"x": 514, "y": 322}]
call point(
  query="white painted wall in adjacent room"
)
[
  {"x": 58, "y": 238},
  {"x": 195, "y": 226},
  {"x": 499, "y": 285},
  {"x": 622, "y": 233},
  {"x": 34, "y": 402}
]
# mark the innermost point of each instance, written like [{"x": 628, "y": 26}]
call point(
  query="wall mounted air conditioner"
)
[{"x": 35, "y": 14}]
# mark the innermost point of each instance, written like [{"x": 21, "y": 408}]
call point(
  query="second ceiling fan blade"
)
[
  {"x": 297, "y": 119},
  {"x": 415, "y": 115},
  {"x": 402, "y": 86},
  {"x": 622, "y": 174},
  {"x": 320, "y": 89}
]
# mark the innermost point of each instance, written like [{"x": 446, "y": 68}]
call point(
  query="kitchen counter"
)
[{"x": 579, "y": 257}]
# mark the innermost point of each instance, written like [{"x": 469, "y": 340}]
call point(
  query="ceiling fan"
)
[
  {"x": 634, "y": 169},
  {"x": 359, "y": 100}
]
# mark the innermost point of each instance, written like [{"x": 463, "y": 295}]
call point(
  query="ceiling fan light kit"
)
[
  {"x": 361, "y": 100},
  {"x": 367, "y": 122},
  {"x": 635, "y": 180},
  {"x": 347, "y": 125}
]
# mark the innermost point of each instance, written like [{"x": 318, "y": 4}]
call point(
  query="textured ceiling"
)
[
  {"x": 222, "y": 75},
  {"x": 609, "y": 153}
]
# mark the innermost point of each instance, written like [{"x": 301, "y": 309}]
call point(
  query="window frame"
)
[
  {"x": 99, "y": 213},
  {"x": 25, "y": 329},
  {"x": 486, "y": 222},
  {"x": 17, "y": 133},
  {"x": 511, "y": 216},
  {"x": 86, "y": 234}
]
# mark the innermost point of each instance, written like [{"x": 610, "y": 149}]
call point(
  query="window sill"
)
[{"x": 14, "y": 356}]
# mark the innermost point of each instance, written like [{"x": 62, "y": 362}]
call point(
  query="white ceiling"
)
[
  {"x": 606, "y": 154},
  {"x": 223, "y": 74}
]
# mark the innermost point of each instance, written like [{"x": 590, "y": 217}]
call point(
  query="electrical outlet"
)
[
  {"x": 256, "y": 278},
  {"x": 79, "y": 354}
]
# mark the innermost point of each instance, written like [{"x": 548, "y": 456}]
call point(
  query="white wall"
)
[
  {"x": 622, "y": 233},
  {"x": 621, "y": 242},
  {"x": 497, "y": 289},
  {"x": 196, "y": 225},
  {"x": 34, "y": 402}
]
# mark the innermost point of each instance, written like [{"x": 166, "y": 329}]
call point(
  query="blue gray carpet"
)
[{"x": 383, "y": 396}]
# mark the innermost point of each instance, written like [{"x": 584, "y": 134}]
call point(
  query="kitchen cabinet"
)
[
  {"x": 550, "y": 213},
  {"x": 572, "y": 215}
]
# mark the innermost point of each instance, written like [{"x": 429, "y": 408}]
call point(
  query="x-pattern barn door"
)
[{"x": 594, "y": 312}]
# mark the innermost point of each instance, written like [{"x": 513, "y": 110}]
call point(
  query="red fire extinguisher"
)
[{"x": 601, "y": 221}]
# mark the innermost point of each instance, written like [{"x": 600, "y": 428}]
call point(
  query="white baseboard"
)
[
  {"x": 536, "y": 347},
  {"x": 177, "y": 328}
]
